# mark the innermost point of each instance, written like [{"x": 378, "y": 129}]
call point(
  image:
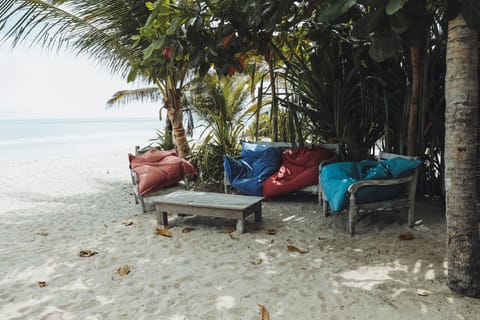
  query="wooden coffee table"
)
[{"x": 209, "y": 204}]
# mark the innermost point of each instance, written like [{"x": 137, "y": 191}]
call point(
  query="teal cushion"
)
[{"x": 336, "y": 178}]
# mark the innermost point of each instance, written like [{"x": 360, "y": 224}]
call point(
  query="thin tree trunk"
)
[
  {"x": 413, "y": 108},
  {"x": 386, "y": 125},
  {"x": 273, "y": 85},
  {"x": 461, "y": 121},
  {"x": 259, "y": 107},
  {"x": 175, "y": 114}
]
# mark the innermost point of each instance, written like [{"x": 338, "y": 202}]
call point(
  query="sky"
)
[{"x": 36, "y": 84}]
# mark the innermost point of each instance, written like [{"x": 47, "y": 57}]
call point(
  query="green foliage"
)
[
  {"x": 162, "y": 141},
  {"x": 265, "y": 127},
  {"x": 222, "y": 106},
  {"x": 339, "y": 94},
  {"x": 101, "y": 30},
  {"x": 333, "y": 12}
]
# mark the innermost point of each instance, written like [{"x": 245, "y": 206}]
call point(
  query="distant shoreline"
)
[{"x": 26, "y": 139}]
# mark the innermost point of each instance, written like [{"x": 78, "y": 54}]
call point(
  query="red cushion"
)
[
  {"x": 151, "y": 156},
  {"x": 299, "y": 169},
  {"x": 159, "y": 169}
]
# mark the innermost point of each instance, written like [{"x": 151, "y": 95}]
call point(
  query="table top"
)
[{"x": 209, "y": 199}]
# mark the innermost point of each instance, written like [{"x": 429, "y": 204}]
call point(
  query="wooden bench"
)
[
  {"x": 209, "y": 204},
  {"x": 406, "y": 199},
  {"x": 315, "y": 189}
]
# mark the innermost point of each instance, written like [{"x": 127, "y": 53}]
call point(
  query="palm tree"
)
[
  {"x": 101, "y": 30},
  {"x": 461, "y": 122},
  {"x": 223, "y": 106}
]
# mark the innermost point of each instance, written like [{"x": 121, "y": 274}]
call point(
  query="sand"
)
[{"x": 52, "y": 209}]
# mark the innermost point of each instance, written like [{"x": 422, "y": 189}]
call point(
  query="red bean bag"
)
[
  {"x": 151, "y": 156},
  {"x": 299, "y": 169},
  {"x": 157, "y": 169}
]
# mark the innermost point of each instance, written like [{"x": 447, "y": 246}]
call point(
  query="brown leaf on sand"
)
[
  {"x": 127, "y": 223},
  {"x": 42, "y": 284},
  {"x": 43, "y": 233},
  {"x": 163, "y": 232},
  {"x": 264, "y": 312},
  {"x": 406, "y": 236},
  {"x": 87, "y": 253},
  {"x": 228, "y": 230},
  {"x": 295, "y": 249},
  {"x": 271, "y": 231},
  {"x": 123, "y": 270},
  {"x": 422, "y": 293},
  {"x": 187, "y": 230},
  {"x": 256, "y": 262}
]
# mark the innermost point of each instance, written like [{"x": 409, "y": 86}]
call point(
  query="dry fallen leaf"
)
[
  {"x": 271, "y": 231},
  {"x": 228, "y": 230},
  {"x": 422, "y": 293},
  {"x": 187, "y": 230},
  {"x": 127, "y": 223},
  {"x": 295, "y": 249},
  {"x": 163, "y": 232},
  {"x": 264, "y": 312},
  {"x": 42, "y": 284},
  {"x": 43, "y": 233},
  {"x": 123, "y": 270},
  {"x": 87, "y": 253},
  {"x": 256, "y": 261},
  {"x": 406, "y": 236},
  {"x": 232, "y": 237}
]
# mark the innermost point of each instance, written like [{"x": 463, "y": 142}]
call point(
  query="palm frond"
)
[
  {"x": 101, "y": 30},
  {"x": 123, "y": 97}
]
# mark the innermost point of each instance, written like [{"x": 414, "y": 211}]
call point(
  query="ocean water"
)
[{"x": 30, "y": 139}]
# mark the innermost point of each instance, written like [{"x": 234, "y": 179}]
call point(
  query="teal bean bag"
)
[{"x": 337, "y": 177}]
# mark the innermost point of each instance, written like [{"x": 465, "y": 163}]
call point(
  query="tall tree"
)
[
  {"x": 101, "y": 30},
  {"x": 461, "y": 122}
]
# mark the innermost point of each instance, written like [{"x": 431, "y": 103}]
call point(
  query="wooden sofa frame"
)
[
  {"x": 406, "y": 199},
  {"x": 184, "y": 184},
  {"x": 315, "y": 189}
]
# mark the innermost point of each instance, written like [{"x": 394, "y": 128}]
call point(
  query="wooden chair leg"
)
[
  {"x": 411, "y": 201},
  {"x": 142, "y": 204},
  {"x": 352, "y": 212},
  {"x": 325, "y": 207}
]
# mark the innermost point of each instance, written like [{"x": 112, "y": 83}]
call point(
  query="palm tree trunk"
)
[
  {"x": 461, "y": 122},
  {"x": 168, "y": 133},
  {"x": 175, "y": 114},
  {"x": 413, "y": 109}
]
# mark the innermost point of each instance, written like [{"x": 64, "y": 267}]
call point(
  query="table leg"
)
[
  {"x": 258, "y": 215},
  {"x": 241, "y": 225},
  {"x": 162, "y": 218}
]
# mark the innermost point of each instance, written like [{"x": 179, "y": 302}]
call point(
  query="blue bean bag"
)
[
  {"x": 337, "y": 177},
  {"x": 256, "y": 164}
]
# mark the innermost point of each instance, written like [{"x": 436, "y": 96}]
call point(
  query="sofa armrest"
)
[{"x": 354, "y": 187}]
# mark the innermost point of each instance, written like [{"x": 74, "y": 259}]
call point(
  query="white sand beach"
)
[{"x": 51, "y": 209}]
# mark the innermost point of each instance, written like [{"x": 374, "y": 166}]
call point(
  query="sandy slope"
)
[{"x": 207, "y": 273}]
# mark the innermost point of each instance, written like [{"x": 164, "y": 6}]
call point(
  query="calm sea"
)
[{"x": 45, "y": 138}]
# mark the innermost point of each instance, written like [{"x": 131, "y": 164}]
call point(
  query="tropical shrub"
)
[{"x": 222, "y": 107}]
